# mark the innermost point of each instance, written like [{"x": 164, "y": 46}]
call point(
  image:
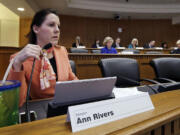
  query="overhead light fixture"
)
[{"x": 20, "y": 9}]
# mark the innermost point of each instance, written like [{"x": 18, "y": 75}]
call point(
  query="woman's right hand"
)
[{"x": 30, "y": 50}]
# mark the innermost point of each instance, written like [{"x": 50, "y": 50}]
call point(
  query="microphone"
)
[
  {"x": 49, "y": 45},
  {"x": 137, "y": 83}
]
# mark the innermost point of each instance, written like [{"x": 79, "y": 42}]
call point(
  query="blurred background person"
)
[
  {"x": 177, "y": 51},
  {"x": 134, "y": 43},
  {"x": 117, "y": 43},
  {"x": 151, "y": 44},
  {"x": 96, "y": 44},
  {"x": 77, "y": 42},
  {"x": 108, "y": 41},
  {"x": 164, "y": 45}
]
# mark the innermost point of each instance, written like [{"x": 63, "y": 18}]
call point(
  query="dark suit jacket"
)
[
  {"x": 177, "y": 51},
  {"x": 74, "y": 44},
  {"x": 95, "y": 46},
  {"x": 114, "y": 45},
  {"x": 147, "y": 46}
]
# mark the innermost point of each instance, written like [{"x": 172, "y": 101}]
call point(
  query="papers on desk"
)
[
  {"x": 158, "y": 48},
  {"x": 125, "y": 92},
  {"x": 120, "y": 48},
  {"x": 140, "y": 48},
  {"x": 127, "y": 52},
  {"x": 81, "y": 46}
]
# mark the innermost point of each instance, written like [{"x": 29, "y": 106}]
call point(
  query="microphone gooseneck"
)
[
  {"x": 28, "y": 92},
  {"x": 29, "y": 86},
  {"x": 137, "y": 83}
]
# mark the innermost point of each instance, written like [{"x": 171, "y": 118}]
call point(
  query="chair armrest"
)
[
  {"x": 149, "y": 80},
  {"x": 165, "y": 80}
]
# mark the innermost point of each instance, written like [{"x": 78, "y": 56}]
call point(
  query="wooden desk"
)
[
  {"x": 142, "y": 51},
  {"x": 163, "y": 120}
]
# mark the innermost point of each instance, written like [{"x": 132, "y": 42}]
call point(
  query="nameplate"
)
[{"x": 94, "y": 114}]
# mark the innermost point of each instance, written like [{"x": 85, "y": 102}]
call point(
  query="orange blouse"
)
[{"x": 64, "y": 73}]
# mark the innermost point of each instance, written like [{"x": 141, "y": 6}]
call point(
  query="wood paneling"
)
[
  {"x": 91, "y": 28},
  {"x": 159, "y": 121}
]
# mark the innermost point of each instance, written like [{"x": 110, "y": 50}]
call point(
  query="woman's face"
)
[
  {"x": 97, "y": 41},
  {"x": 49, "y": 30},
  {"x": 118, "y": 40},
  {"x": 109, "y": 44},
  {"x": 178, "y": 45},
  {"x": 134, "y": 42}
]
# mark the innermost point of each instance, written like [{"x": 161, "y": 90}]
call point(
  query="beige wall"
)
[{"x": 9, "y": 27}]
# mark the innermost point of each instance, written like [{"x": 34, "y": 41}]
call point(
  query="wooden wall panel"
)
[{"x": 91, "y": 28}]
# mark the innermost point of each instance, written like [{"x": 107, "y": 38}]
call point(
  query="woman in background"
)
[
  {"x": 134, "y": 43},
  {"x": 96, "y": 44},
  {"x": 77, "y": 42},
  {"x": 108, "y": 41},
  {"x": 50, "y": 66},
  {"x": 176, "y": 51},
  {"x": 117, "y": 43},
  {"x": 164, "y": 45}
]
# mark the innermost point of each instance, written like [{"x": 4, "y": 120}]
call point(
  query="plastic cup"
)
[{"x": 9, "y": 101}]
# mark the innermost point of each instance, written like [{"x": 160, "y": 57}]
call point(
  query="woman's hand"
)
[{"x": 30, "y": 50}]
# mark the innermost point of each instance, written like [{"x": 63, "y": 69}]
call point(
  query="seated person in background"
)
[
  {"x": 50, "y": 66},
  {"x": 164, "y": 45},
  {"x": 77, "y": 43},
  {"x": 177, "y": 51},
  {"x": 96, "y": 44},
  {"x": 117, "y": 43},
  {"x": 150, "y": 45},
  {"x": 134, "y": 43},
  {"x": 108, "y": 41}
]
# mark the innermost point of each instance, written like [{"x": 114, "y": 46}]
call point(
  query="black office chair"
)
[
  {"x": 166, "y": 69},
  {"x": 73, "y": 66},
  {"x": 78, "y": 50},
  {"x": 126, "y": 70},
  {"x": 96, "y": 51}
]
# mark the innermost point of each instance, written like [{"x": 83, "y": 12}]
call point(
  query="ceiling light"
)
[{"x": 20, "y": 9}]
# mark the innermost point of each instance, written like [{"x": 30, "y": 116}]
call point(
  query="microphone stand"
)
[
  {"x": 27, "y": 112},
  {"x": 28, "y": 93}
]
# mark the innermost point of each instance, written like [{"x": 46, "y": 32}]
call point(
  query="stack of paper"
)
[{"x": 124, "y": 92}]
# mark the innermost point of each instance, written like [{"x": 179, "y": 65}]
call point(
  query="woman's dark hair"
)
[
  {"x": 38, "y": 19},
  {"x": 163, "y": 43}
]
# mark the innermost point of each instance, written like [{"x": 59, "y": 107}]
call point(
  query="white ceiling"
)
[{"x": 138, "y": 9}]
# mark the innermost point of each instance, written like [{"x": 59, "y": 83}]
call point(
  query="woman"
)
[
  {"x": 50, "y": 65},
  {"x": 77, "y": 43},
  {"x": 134, "y": 43},
  {"x": 176, "y": 51},
  {"x": 108, "y": 41},
  {"x": 117, "y": 43},
  {"x": 164, "y": 45},
  {"x": 96, "y": 44}
]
